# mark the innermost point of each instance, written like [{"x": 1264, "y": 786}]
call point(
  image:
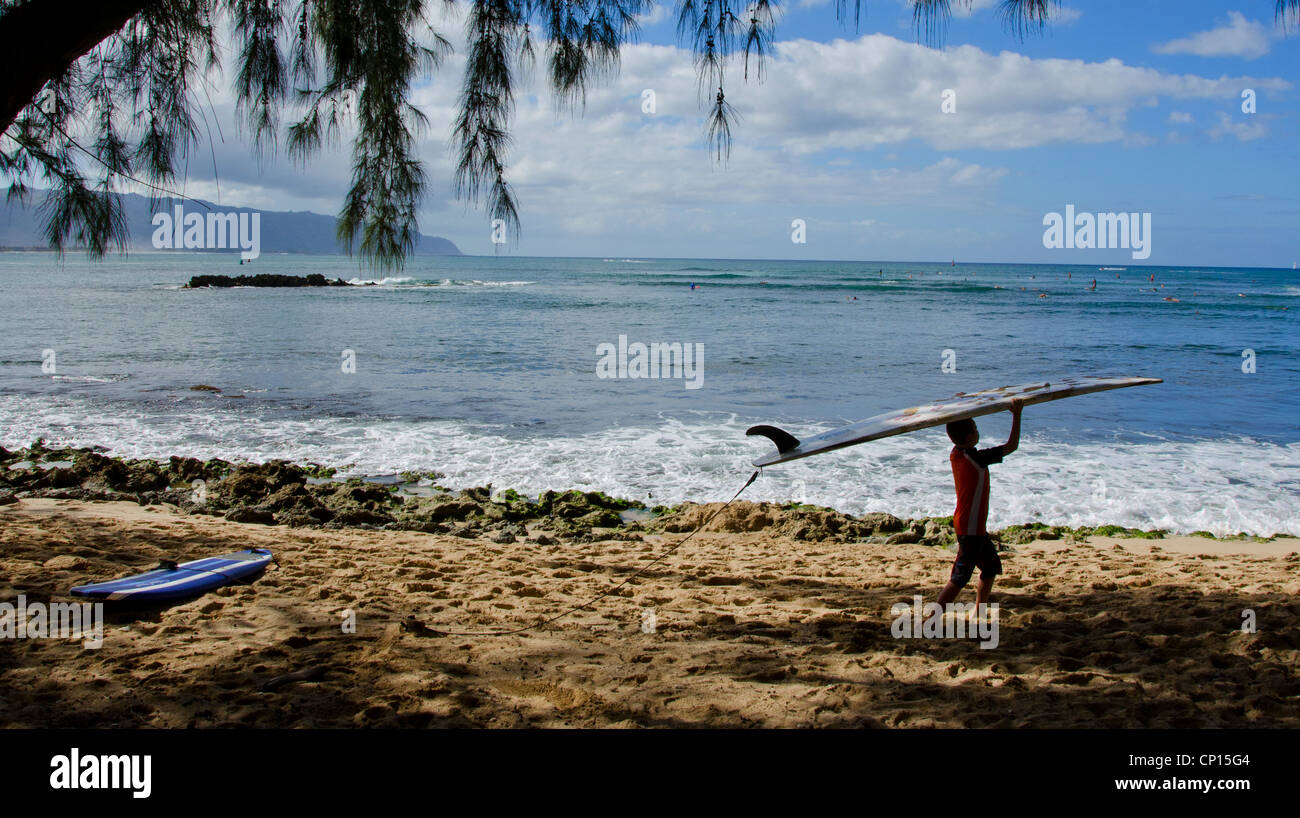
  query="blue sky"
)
[{"x": 1119, "y": 106}]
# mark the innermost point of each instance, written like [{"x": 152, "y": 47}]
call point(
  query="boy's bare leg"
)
[
  {"x": 949, "y": 593},
  {"x": 982, "y": 593}
]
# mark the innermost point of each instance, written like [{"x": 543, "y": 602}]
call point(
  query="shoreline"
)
[{"x": 308, "y": 496}]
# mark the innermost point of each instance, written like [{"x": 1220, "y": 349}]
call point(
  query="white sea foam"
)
[
  {"x": 1222, "y": 486},
  {"x": 387, "y": 281},
  {"x": 446, "y": 282},
  {"x": 409, "y": 281},
  {"x": 90, "y": 378}
]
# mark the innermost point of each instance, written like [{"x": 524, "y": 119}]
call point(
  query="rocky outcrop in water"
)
[{"x": 266, "y": 280}]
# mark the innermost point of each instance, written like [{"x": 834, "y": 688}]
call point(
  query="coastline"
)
[{"x": 283, "y": 493}]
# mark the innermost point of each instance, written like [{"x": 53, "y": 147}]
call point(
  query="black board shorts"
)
[{"x": 975, "y": 551}]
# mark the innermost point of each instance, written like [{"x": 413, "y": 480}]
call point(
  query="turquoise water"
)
[{"x": 487, "y": 369}]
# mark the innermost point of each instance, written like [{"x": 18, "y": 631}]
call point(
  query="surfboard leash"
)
[{"x": 410, "y": 624}]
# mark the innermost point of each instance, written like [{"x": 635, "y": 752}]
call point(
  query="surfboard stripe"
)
[{"x": 200, "y": 577}]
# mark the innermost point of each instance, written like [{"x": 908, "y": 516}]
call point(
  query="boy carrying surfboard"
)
[{"x": 970, "y": 472}]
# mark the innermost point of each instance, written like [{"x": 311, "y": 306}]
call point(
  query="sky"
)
[{"x": 1117, "y": 107}]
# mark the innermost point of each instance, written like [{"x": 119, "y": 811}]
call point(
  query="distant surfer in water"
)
[{"x": 970, "y": 472}]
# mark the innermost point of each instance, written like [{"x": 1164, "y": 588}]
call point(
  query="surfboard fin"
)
[{"x": 784, "y": 440}]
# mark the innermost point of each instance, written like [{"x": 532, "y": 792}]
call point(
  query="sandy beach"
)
[{"x": 752, "y": 628}]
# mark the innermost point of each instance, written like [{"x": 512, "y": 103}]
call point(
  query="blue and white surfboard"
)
[{"x": 180, "y": 581}]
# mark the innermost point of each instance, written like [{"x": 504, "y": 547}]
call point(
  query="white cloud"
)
[
  {"x": 1180, "y": 117},
  {"x": 1240, "y": 37},
  {"x": 1255, "y": 128},
  {"x": 1061, "y": 15},
  {"x": 660, "y": 12},
  {"x": 613, "y": 177},
  {"x": 878, "y": 90},
  {"x": 971, "y": 8},
  {"x": 960, "y": 9},
  {"x": 1066, "y": 15}
]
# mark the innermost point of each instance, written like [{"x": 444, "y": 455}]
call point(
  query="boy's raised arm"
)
[{"x": 1013, "y": 439}]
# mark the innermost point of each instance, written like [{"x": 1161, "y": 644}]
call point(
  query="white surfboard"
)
[{"x": 960, "y": 406}]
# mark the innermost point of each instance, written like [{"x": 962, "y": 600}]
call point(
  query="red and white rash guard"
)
[{"x": 970, "y": 473}]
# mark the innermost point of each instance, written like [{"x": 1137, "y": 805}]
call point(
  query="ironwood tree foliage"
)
[{"x": 97, "y": 92}]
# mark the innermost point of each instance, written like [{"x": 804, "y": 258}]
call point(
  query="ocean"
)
[{"x": 489, "y": 370}]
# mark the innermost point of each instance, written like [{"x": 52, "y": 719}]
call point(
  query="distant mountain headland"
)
[{"x": 280, "y": 231}]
